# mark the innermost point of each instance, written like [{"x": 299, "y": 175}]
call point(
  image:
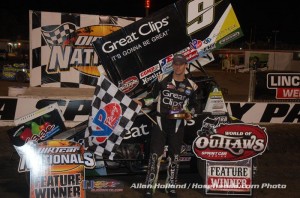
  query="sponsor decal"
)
[
  {"x": 190, "y": 53},
  {"x": 149, "y": 71},
  {"x": 218, "y": 104},
  {"x": 182, "y": 85},
  {"x": 180, "y": 89},
  {"x": 38, "y": 126},
  {"x": 195, "y": 44},
  {"x": 166, "y": 64},
  {"x": 137, "y": 131},
  {"x": 229, "y": 38},
  {"x": 128, "y": 84},
  {"x": 172, "y": 99},
  {"x": 215, "y": 103},
  {"x": 144, "y": 30},
  {"x": 207, "y": 49},
  {"x": 286, "y": 85},
  {"x": 188, "y": 90},
  {"x": 231, "y": 142},
  {"x": 105, "y": 121},
  {"x": 151, "y": 78},
  {"x": 170, "y": 86},
  {"x": 103, "y": 185}
]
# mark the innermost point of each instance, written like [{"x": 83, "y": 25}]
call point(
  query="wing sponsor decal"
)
[
  {"x": 128, "y": 84},
  {"x": 196, "y": 27}
]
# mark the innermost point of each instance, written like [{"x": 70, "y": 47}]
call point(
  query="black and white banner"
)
[
  {"x": 61, "y": 53},
  {"x": 77, "y": 110}
]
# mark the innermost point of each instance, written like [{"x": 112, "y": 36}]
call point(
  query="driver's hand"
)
[
  {"x": 188, "y": 116},
  {"x": 138, "y": 102}
]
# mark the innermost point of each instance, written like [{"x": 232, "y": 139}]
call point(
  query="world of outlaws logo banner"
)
[{"x": 230, "y": 142}]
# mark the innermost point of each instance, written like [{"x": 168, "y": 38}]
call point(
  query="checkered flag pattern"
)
[
  {"x": 49, "y": 29},
  {"x": 59, "y": 34},
  {"x": 106, "y": 93}
]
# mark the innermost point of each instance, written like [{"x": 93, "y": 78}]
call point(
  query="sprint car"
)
[{"x": 132, "y": 154}]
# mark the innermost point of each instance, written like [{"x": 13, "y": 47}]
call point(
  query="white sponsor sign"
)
[{"x": 78, "y": 110}]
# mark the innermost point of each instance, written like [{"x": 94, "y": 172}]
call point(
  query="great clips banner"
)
[
  {"x": 134, "y": 55},
  {"x": 61, "y": 53}
]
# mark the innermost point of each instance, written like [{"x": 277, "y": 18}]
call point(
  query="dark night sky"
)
[{"x": 261, "y": 17}]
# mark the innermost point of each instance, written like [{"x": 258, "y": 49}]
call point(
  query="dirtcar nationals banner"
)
[
  {"x": 61, "y": 52},
  {"x": 134, "y": 55},
  {"x": 57, "y": 168}
]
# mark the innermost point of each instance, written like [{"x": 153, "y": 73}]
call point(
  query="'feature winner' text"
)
[{"x": 57, "y": 186}]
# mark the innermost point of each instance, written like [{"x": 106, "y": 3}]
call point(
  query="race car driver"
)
[{"x": 176, "y": 99}]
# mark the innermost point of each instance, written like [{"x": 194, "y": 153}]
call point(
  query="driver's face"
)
[{"x": 179, "y": 68}]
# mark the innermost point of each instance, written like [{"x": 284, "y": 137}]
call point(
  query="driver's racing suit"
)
[{"x": 167, "y": 93}]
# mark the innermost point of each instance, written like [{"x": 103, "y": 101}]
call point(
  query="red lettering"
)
[{"x": 288, "y": 93}]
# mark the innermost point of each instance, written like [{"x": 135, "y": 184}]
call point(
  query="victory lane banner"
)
[
  {"x": 230, "y": 142},
  {"x": 61, "y": 53},
  {"x": 233, "y": 177},
  {"x": 134, "y": 55},
  {"x": 57, "y": 168},
  {"x": 228, "y": 149}
]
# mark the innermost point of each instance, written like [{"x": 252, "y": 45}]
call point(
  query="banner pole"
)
[{"x": 148, "y": 116}]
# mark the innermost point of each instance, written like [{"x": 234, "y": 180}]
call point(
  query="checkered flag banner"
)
[
  {"x": 59, "y": 34},
  {"x": 111, "y": 116}
]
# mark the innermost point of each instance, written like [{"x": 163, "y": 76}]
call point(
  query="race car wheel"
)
[{"x": 20, "y": 77}]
